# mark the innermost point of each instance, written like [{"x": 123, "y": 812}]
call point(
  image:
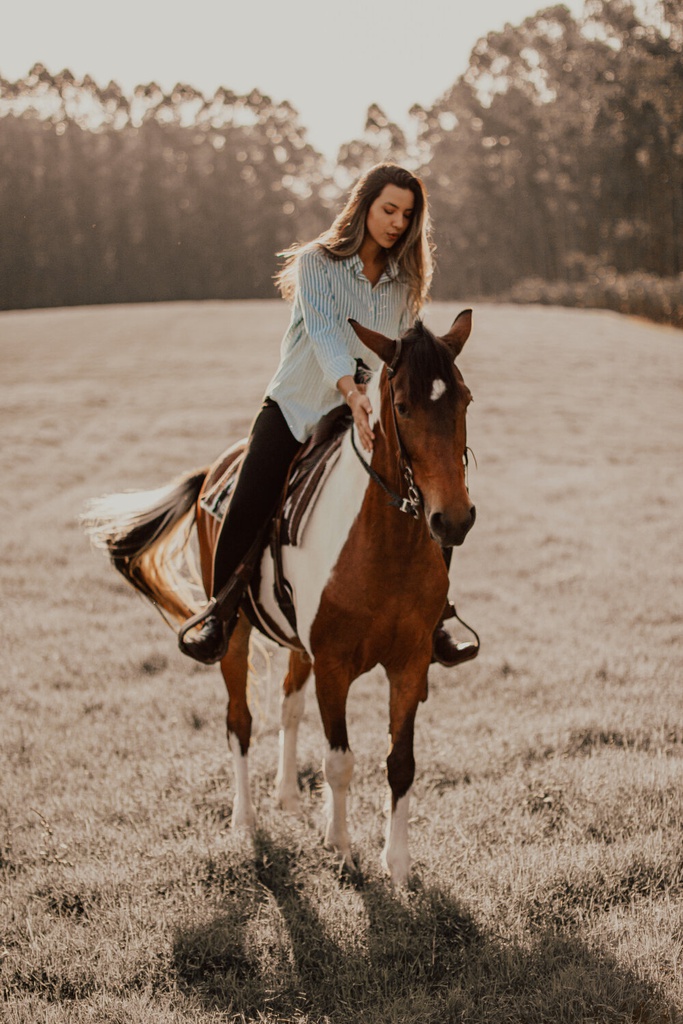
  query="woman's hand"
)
[{"x": 359, "y": 404}]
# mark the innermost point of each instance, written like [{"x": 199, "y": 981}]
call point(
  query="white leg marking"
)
[
  {"x": 338, "y": 769},
  {"x": 286, "y": 786},
  {"x": 243, "y": 814},
  {"x": 395, "y": 855}
]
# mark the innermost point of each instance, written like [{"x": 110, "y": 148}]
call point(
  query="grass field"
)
[{"x": 548, "y": 812}]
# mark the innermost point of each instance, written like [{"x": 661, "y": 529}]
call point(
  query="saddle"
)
[{"x": 307, "y": 474}]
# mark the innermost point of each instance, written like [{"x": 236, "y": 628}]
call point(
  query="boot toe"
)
[
  {"x": 209, "y": 644},
  {"x": 449, "y": 653}
]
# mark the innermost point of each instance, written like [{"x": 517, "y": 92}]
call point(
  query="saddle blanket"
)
[{"x": 308, "y": 472}]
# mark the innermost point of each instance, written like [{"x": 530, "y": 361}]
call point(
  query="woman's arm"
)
[
  {"x": 323, "y": 319},
  {"x": 323, "y": 323}
]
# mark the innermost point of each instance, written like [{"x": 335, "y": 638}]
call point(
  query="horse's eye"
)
[{"x": 401, "y": 408}]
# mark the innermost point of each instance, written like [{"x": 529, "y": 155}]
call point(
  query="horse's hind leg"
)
[
  {"x": 293, "y": 699},
  {"x": 408, "y": 688},
  {"x": 235, "y": 667}
]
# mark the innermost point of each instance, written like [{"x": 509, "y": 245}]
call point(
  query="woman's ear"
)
[{"x": 378, "y": 343}]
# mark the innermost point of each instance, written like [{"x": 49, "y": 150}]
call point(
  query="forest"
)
[{"x": 554, "y": 166}]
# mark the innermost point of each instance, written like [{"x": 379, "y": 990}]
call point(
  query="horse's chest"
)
[
  {"x": 380, "y": 597},
  {"x": 368, "y": 583}
]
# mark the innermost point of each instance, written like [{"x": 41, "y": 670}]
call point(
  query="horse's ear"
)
[
  {"x": 378, "y": 343},
  {"x": 459, "y": 332}
]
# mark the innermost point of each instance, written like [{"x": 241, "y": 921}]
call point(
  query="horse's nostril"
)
[
  {"x": 449, "y": 531},
  {"x": 436, "y": 521}
]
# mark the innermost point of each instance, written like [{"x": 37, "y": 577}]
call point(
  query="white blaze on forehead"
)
[{"x": 438, "y": 388}]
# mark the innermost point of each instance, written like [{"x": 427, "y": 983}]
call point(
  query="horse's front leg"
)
[
  {"x": 332, "y": 687},
  {"x": 235, "y": 667},
  {"x": 293, "y": 699},
  {"x": 408, "y": 687}
]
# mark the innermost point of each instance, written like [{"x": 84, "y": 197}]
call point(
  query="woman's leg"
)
[{"x": 270, "y": 450}]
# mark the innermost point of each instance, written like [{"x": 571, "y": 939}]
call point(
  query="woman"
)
[{"x": 374, "y": 265}]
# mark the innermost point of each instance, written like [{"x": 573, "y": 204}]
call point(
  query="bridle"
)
[{"x": 412, "y": 504}]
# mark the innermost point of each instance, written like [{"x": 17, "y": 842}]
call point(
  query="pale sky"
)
[{"x": 330, "y": 58}]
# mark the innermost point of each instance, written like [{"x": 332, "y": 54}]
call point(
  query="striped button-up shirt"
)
[{"x": 320, "y": 346}]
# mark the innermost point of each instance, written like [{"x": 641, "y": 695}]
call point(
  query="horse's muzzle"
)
[{"x": 448, "y": 533}]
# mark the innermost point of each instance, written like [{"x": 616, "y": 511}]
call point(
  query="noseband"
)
[{"x": 412, "y": 505}]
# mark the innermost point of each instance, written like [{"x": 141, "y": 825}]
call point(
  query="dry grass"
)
[{"x": 548, "y": 877}]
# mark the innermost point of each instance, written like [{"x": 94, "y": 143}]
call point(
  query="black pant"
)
[{"x": 270, "y": 450}]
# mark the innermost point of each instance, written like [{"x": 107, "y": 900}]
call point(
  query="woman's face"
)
[{"x": 389, "y": 215}]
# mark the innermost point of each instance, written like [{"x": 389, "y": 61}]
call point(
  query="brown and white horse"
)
[{"x": 369, "y": 583}]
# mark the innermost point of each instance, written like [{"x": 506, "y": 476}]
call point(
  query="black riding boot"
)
[
  {"x": 447, "y": 652},
  {"x": 210, "y": 643}
]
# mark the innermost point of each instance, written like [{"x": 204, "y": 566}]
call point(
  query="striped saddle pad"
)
[{"x": 307, "y": 474}]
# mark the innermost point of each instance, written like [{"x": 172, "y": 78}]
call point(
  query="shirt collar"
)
[
  {"x": 391, "y": 269},
  {"x": 390, "y": 272}
]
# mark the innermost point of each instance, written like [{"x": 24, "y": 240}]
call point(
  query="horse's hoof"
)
[
  {"x": 340, "y": 846},
  {"x": 243, "y": 821},
  {"x": 345, "y": 861},
  {"x": 397, "y": 866},
  {"x": 289, "y": 802}
]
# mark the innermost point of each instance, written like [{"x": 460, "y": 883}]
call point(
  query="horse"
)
[{"x": 368, "y": 583}]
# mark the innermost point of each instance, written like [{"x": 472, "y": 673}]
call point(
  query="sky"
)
[{"x": 330, "y": 58}]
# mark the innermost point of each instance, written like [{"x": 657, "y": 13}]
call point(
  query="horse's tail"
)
[{"x": 147, "y": 535}]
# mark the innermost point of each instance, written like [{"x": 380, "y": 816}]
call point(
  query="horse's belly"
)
[{"x": 309, "y": 566}]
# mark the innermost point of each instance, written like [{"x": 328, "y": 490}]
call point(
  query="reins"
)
[{"x": 412, "y": 505}]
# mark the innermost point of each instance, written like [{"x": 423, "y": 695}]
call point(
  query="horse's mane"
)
[{"x": 425, "y": 359}]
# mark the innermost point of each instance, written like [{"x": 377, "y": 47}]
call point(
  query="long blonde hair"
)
[{"x": 412, "y": 252}]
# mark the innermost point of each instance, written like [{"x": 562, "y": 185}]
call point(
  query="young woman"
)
[{"x": 374, "y": 265}]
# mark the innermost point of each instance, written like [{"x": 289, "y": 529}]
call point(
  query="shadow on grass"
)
[{"x": 284, "y": 952}]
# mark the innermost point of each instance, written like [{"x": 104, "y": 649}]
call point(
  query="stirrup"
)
[
  {"x": 196, "y": 620},
  {"x": 449, "y": 612},
  {"x": 465, "y": 650},
  {"x": 449, "y": 652},
  {"x": 210, "y": 641}
]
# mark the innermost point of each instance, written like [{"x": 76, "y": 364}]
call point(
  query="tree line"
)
[{"x": 556, "y": 157}]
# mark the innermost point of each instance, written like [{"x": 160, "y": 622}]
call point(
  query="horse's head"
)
[{"x": 429, "y": 399}]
